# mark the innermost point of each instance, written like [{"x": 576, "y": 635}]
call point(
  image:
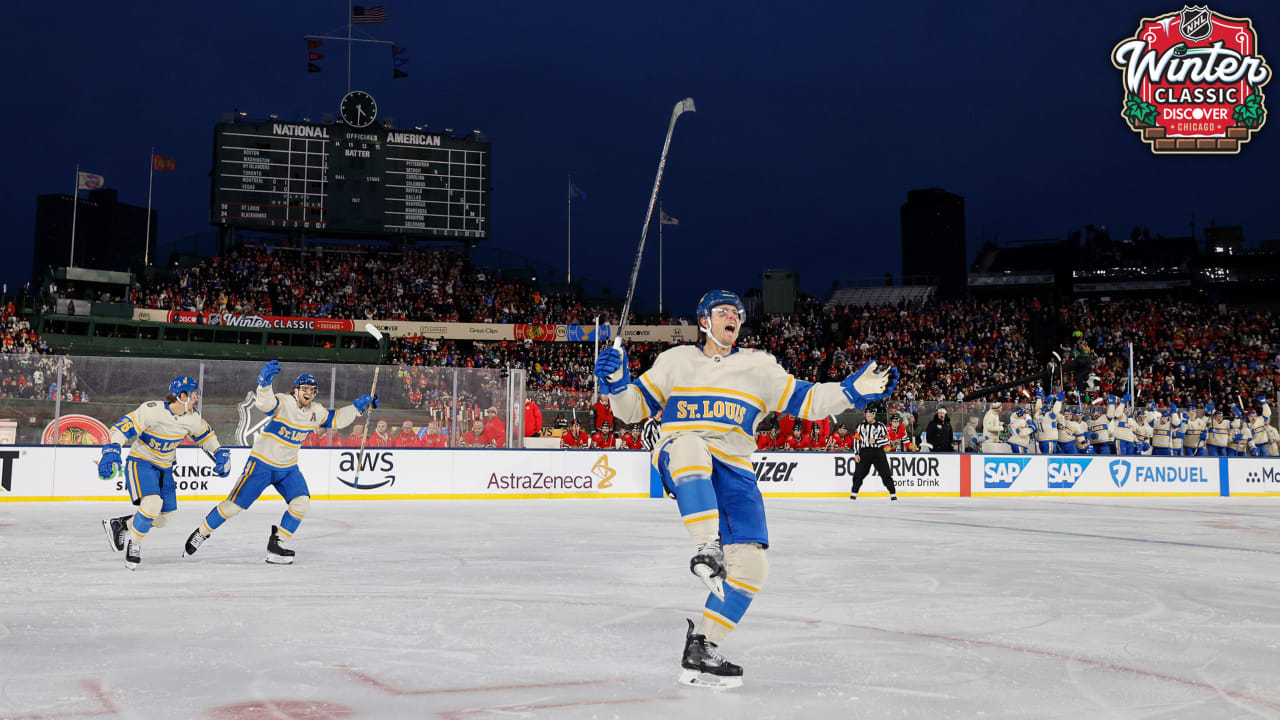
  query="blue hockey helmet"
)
[
  {"x": 183, "y": 384},
  {"x": 306, "y": 379},
  {"x": 716, "y": 298},
  {"x": 1019, "y": 411}
]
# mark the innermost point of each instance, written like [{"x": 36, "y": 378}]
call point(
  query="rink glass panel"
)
[{"x": 37, "y": 390}]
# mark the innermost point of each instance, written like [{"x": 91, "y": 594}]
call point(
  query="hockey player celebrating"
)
[
  {"x": 1046, "y": 422},
  {"x": 1193, "y": 440},
  {"x": 711, "y": 398},
  {"x": 274, "y": 458},
  {"x": 1257, "y": 427},
  {"x": 1099, "y": 432},
  {"x": 156, "y": 429},
  {"x": 1020, "y": 432}
]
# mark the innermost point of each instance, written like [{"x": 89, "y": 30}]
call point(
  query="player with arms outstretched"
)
[
  {"x": 710, "y": 400},
  {"x": 156, "y": 429},
  {"x": 274, "y": 458}
]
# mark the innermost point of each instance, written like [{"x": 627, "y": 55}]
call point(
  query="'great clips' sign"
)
[{"x": 1193, "y": 81}]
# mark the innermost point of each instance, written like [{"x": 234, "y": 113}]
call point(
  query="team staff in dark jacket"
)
[
  {"x": 869, "y": 442},
  {"x": 939, "y": 433}
]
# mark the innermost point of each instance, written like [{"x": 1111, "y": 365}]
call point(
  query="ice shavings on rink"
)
[{"x": 1026, "y": 608}]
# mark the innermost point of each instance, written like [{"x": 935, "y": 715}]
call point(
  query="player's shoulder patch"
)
[{"x": 153, "y": 403}]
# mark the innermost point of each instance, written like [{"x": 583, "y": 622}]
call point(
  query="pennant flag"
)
[
  {"x": 396, "y": 50},
  {"x": 313, "y": 44},
  {"x": 312, "y": 67},
  {"x": 162, "y": 163},
  {"x": 89, "y": 181},
  {"x": 576, "y": 192},
  {"x": 666, "y": 219},
  {"x": 361, "y": 15},
  {"x": 313, "y": 56},
  {"x": 397, "y": 73}
]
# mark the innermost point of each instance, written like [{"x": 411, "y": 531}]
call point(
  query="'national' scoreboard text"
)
[{"x": 340, "y": 179}]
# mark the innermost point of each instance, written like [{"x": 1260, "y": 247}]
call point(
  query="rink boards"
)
[{"x": 42, "y": 473}]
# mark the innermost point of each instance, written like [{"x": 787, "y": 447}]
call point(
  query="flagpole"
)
[
  {"x": 146, "y": 240},
  {"x": 569, "y": 251},
  {"x": 349, "y": 21},
  {"x": 75, "y": 206}
]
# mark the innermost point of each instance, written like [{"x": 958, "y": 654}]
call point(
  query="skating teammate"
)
[
  {"x": 711, "y": 398},
  {"x": 274, "y": 459},
  {"x": 155, "y": 429}
]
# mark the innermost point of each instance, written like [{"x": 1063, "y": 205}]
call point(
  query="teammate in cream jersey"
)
[
  {"x": 1193, "y": 440},
  {"x": 274, "y": 458},
  {"x": 1020, "y": 432},
  {"x": 155, "y": 430},
  {"x": 1121, "y": 425},
  {"x": 710, "y": 400}
]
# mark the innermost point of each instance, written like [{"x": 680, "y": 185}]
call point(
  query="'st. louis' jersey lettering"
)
[
  {"x": 723, "y": 399},
  {"x": 156, "y": 432},
  {"x": 278, "y": 441}
]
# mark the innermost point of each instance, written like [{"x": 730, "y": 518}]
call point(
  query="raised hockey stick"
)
[
  {"x": 685, "y": 105},
  {"x": 373, "y": 390}
]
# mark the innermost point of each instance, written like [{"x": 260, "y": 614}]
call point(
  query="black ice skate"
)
[
  {"x": 704, "y": 666},
  {"x": 278, "y": 554},
  {"x": 193, "y": 542},
  {"x": 893, "y": 498},
  {"x": 853, "y": 496},
  {"x": 132, "y": 554},
  {"x": 116, "y": 528}
]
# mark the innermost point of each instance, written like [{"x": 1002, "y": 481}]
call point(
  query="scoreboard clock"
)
[
  {"x": 350, "y": 177},
  {"x": 358, "y": 109}
]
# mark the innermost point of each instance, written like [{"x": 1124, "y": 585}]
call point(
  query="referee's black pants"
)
[{"x": 872, "y": 456}]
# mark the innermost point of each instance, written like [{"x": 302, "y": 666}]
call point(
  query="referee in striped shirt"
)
[{"x": 869, "y": 442}]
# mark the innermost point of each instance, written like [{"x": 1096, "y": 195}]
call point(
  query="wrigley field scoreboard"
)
[{"x": 341, "y": 179}]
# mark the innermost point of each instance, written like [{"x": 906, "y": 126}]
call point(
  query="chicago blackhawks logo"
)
[{"x": 1193, "y": 81}]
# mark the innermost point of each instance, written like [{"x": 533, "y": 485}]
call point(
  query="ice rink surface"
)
[{"x": 925, "y": 608}]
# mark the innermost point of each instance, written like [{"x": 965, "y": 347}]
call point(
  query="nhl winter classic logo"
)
[{"x": 1193, "y": 81}]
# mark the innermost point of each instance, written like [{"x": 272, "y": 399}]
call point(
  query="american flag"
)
[{"x": 361, "y": 15}]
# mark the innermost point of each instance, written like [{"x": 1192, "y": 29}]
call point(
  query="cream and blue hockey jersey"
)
[
  {"x": 278, "y": 442},
  {"x": 156, "y": 433},
  {"x": 723, "y": 398}
]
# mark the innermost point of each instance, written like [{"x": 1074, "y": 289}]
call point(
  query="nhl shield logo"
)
[
  {"x": 1120, "y": 472},
  {"x": 1195, "y": 23}
]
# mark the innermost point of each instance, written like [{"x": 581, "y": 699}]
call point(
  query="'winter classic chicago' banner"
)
[{"x": 1193, "y": 81}]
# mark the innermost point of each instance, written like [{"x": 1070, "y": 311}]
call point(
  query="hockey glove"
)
[
  {"x": 870, "y": 384},
  {"x": 612, "y": 371},
  {"x": 1208, "y": 408},
  {"x": 109, "y": 461},
  {"x": 268, "y": 371},
  {"x": 1061, "y": 396},
  {"x": 1262, "y": 400},
  {"x": 363, "y": 402},
  {"x": 222, "y": 462},
  {"x": 1093, "y": 436},
  {"x": 708, "y": 565},
  {"x": 1126, "y": 399}
]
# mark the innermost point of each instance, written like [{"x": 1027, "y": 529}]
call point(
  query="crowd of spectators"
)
[
  {"x": 28, "y": 368},
  {"x": 319, "y": 282}
]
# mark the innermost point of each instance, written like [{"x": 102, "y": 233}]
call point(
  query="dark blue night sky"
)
[{"x": 813, "y": 122}]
